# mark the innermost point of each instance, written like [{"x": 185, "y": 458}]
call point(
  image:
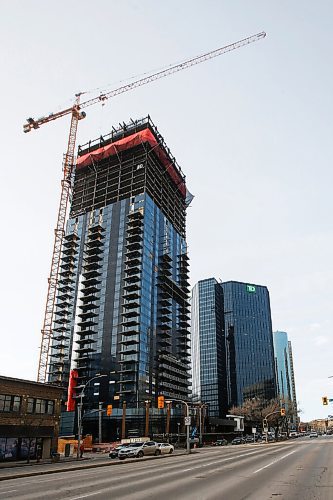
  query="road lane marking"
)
[
  {"x": 7, "y": 491},
  {"x": 104, "y": 490},
  {"x": 220, "y": 461},
  {"x": 274, "y": 462}
]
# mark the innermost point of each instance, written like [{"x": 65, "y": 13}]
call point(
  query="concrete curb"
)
[{"x": 87, "y": 466}]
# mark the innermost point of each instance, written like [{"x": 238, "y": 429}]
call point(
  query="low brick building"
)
[{"x": 29, "y": 418}]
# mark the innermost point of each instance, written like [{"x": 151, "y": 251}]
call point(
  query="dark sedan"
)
[
  {"x": 221, "y": 442},
  {"x": 238, "y": 440}
]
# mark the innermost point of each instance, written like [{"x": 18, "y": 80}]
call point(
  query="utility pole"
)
[
  {"x": 79, "y": 427},
  {"x": 167, "y": 429},
  {"x": 147, "y": 403},
  {"x": 79, "y": 413},
  {"x": 100, "y": 414},
  {"x": 265, "y": 423},
  {"x": 123, "y": 421},
  {"x": 187, "y": 422},
  {"x": 200, "y": 426}
]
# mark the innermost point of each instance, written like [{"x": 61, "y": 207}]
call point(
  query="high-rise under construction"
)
[{"x": 122, "y": 307}]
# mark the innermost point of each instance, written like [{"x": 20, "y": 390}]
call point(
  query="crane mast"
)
[
  {"x": 66, "y": 186},
  {"x": 69, "y": 172}
]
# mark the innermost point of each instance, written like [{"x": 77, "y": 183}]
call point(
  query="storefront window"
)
[
  {"x": 28, "y": 448},
  {"x": 2, "y": 448},
  {"x": 11, "y": 448}
]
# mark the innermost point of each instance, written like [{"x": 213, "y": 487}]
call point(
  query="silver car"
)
[{"x": 138, "y": 450}]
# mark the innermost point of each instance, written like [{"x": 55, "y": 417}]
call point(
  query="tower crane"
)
[{"x": 69, "y": 170}]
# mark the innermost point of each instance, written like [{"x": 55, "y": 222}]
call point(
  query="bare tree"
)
[{"x": 256, "y": 409}]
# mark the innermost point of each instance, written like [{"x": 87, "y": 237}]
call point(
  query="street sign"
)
[
  {"x": 254, "y": 430},
  {"x": 187, "y": 420}
]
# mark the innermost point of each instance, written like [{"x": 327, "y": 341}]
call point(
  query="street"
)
[{"x": 295, "y": 469}]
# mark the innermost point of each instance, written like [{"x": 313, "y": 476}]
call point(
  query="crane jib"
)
[{"x": 34, "y": 124}]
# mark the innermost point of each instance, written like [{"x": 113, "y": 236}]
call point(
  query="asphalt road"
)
[{"x": 300, "y": 469}]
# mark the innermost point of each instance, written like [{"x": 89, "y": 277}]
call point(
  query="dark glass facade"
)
[
  {"x": 249, "y": 342},
  {"x": 282, "y": 364},
  {"x": 123, "y": 292},
  {"x": 208, "y": 347},
  {"x": 284, "y": 367}
]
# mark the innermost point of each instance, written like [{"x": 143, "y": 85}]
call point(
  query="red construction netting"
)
[{"x": 130, "y": 142}]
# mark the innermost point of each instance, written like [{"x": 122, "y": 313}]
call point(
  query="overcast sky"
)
[{"x": 252, "y": 131}]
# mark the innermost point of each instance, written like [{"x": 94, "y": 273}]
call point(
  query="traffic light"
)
[
  {"x": 282, "y": 412},
  {"x": 160, "y": 402},
  {"x": 109, "y": 410},
  {"x": 325, "y": 400}
]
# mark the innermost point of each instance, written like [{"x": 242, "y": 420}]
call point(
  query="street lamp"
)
[
  {"x": 188, "y": 448},
  {"x": 79, "y": 414}
]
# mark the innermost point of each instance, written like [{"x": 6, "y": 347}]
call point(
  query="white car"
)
[{"x": 165, "y": 448}]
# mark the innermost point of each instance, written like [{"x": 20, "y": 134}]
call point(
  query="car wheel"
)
[
  {"x": 157, "y": 452},
  {"x": 140, "y": 454},
  {"x": 171, "y": 451}
]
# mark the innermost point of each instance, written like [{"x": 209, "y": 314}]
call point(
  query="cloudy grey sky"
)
[{"x": 252, "y": 130}]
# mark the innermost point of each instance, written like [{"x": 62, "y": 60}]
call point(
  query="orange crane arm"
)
[{"x": 34, "y": 124}]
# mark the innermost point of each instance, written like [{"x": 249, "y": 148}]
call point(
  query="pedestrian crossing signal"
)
[
  {"x": 160, "y": 402},
  {"x": 109, "y": 410},
  {"x": 282, "y": 412},
  {"x": 325, "y": 400}
]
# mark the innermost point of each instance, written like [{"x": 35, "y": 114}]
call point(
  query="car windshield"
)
[{"x": 135, "y": 445}]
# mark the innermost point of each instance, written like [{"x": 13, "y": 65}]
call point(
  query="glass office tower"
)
[
  {"x": 123, "y": 293},
  {"x": 285, "y": 379},
  {"x": 292, "y": 374},
  {"x": 208, "y": 347},
  {"x": 282, "y": 364},
  {"x": 249, "y": 342}
]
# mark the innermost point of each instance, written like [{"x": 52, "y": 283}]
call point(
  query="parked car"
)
[
  {"x": 221, "y": 442},
  {"x": 165, "y": 448},
  {"x": 313, "y": 434},
  {"x": 138, "y": 450},
  {"x": 114, "y": 451},
  {"x": 238, "y": 440}
]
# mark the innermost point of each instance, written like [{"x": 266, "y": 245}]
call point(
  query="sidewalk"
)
[
  {"x": 16, "y": 470},
  {"x": 34, "y": 462}
]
